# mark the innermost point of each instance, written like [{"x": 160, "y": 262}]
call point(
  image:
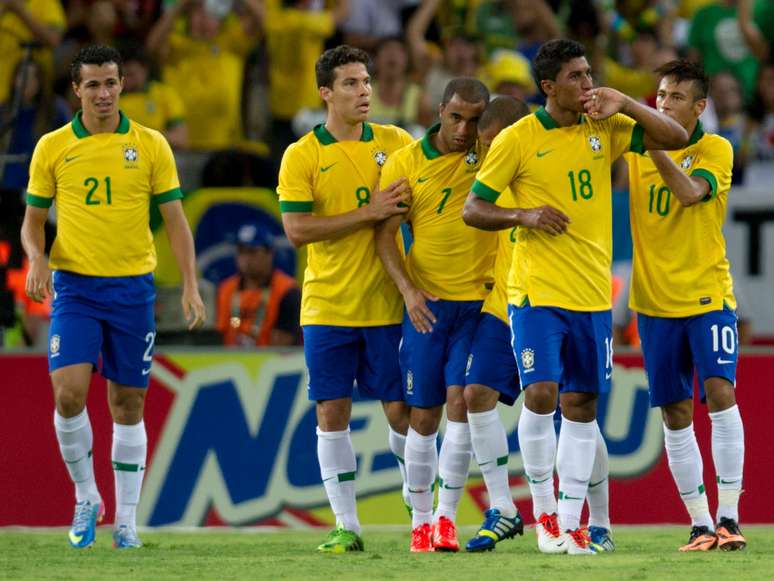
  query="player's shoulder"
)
[
  {"x": 58, "y": 137},
  {"x": 308, "y": 144},
  {"x": 388, "y": 134},
  {"x": 713, "y": 143}
]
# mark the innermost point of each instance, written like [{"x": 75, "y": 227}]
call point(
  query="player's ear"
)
[
  {"x": 441, "y": 109},
  {"x": 698, "y": 106},
  {"x": 547, "y": 86},
  {"x": 76, "y": 90},
  {"x": 120, "y": 85},
  {"x": 325, "y": 93}
]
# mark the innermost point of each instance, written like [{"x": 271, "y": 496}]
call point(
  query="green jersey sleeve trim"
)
[
  {"x": 168, "y": 196},
  {"x": 296, "y": 206},
  {"x": 39, "y": 201},
  {"x": 638, "y": 139},
  {"x": 484, "y": 191},
  {"x": 713, "y": 182}
]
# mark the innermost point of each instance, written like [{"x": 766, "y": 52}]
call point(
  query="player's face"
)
[
  {"x": 99, "y": 89},
  {"x": 350, "y": 96},
  {"x": 486, "y": 136},
  {"x": 459, "y": 123},
  {"x": 677, "y": 100},
  {"x": 572, "y": 82}
]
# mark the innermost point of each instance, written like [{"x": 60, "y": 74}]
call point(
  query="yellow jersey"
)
[
  {"x": 496, "y": 302},
  {"x": 344, "y": 282},
  {"x": 567, "y": 168},
  {"x": 680, "y": 267},
  {"x": 158, "y": 107},
  {"x": 448, "y": 258},
  {"x": 102, "y": 185}
]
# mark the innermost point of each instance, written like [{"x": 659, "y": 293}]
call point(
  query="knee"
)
[
  {"x": 678, "y": 416},
  {"x": 128, "y": 407},
  {"x": 333, "y": 415},
  {"x": 70, "y": 398},
  {"x": 456, "y": 410},
  {"x": 541, "y": 398},
  {"x": 479, "y": 398},
  {"x": 720, "y": 394},
  {"x": 579, "y": 407},
  {"x": 397, "y": 414},
  {"x": 425, "y": 421}
]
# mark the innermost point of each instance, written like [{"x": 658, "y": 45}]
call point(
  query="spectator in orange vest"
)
[{"x": 260, "y": 304}]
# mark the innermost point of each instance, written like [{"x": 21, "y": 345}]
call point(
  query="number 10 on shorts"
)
[{"x": 724, "y": 336}]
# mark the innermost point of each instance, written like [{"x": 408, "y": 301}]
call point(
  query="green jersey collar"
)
[
  {"x": 549, "y": 122},
  {"x": 697, "y": 134},
  {"x": 326, "y": 138},
  {"x": 427, "y": 146},
  {"x": 80, "y": 129}
]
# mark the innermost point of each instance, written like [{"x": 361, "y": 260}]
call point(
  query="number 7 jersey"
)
[
  {"x": 344, "y": 282},
  {"x": 103, "y": 185}
]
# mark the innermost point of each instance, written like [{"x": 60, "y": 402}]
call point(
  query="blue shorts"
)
[
  {"x": 571, "y": 348},
  {"x": 673, "y": 347},
  {"x": 491, "y": 361},
  {"x": 111, "y": 317},
  {"x": 433, "y": 361},
  {"x": 337, "y": 357}
]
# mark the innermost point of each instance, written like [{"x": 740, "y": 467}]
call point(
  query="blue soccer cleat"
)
[
  {"x": 84, "y": 529},
  {"x": 600, "y": 540},
  {"x": 496, "y": 528},
  {"x": 126, "y": 538}
]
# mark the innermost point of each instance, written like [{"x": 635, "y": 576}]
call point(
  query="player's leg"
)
[
  {"x": 491, "y": 363},
  {"x": 537, "y": 335},
  {"x": 332, "y": 355},
  {"x": 714, "y": 344},
  {"x": 669, "y": 367},
  {"x": 598, "y": 497},
  {"x": 75, "y": 337}
]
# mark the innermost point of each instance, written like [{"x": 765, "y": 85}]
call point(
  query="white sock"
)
[
  {"x": 453, "y": 467},
  {"x": 537, "y": 441},
  {"x": 337, "y": 468},
  {"x": 421, "y": 468},
  {"x": 75, "y": 441},
  {"x": 598, "y": 494},
  {"x": 687, "y": 470},
  {"x": 130, "y": 446},
  {"x": 574, "y": 461},
  {"x": 490, "y": 445},
  {"x": 398, "y": 448},
  {"x": 728, "y": 456}
]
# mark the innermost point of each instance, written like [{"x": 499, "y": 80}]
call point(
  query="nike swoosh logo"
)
[
  {"x": 453, "y": 487},
  {"x": 608, "y": 375},
  {"x": 75, "y": 539},
  {"x": 420, "y": 180},
  {"x": 146, "y": 371},
  {"x": 68, "y": 159},
  {"x": 593, "y": 484},
  {"x": 542, "y": 153},
  {"x": 566, "y": 497},
  {"x": 728, "y": 481},
  {"x": 686, "y": 493},
  {"x": 538, "y": 481},
  {"x": 724, "y": 361},
  {"x": 327, "y": 167}
]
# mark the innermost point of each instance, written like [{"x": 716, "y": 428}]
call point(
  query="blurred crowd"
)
[{"x": 231, "y": 83}]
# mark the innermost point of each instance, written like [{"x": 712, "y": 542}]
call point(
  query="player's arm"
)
[
  {"x": 687, "y": 189},
  {"x": 304, "y": 227},
  {"x": 33, "y": 238},
  {"x": 181, "y": 240},
  {"x": 158, "y": 37},
  {"x": 661, "y": 132},
  {"x": 485, "y": 215},
  {"x": 415, "y": 299}
]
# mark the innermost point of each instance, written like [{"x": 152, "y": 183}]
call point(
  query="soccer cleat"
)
[
  {"x": 496, "y": 528},
  {"x": 126, "y": 538},
  {"x": 84, "y": 528},
  {"x": 730, "y": 538},
  {"x": 701, "y": 539},
  {"x": 550, "y": 538},
  {"x": 422, "y": 539},
  {"x": 445, "y": 536},
  {"x": 578, "y": 542},
  {"x": 340, "y": 540},
  {"x": 600, "y": 540}
]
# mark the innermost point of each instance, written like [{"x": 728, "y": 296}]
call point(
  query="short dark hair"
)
[
  {"x": 551, "y": 56},
  {"x": 504, "y": 111},
  {"x": 684, "y": 70},
  {"x": 342, "y": 55},
  {"x": 469, "y": 89},
  {"x": 95, "y": 54}
]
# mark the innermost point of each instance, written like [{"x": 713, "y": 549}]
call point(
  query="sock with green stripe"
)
[
  {"x": 130, "y": 446},
  {"x": 598, "y": 495},
  {"x": 453, "y": 467},
  {"x": 728, "y": 455},
  {"x": 490, "y": 446},
  {"x": 337, "y": 468},
  {"x": 687, "y": 469},
  {"x": 75, "y": 440},
  {"x": 574, "y": 463},
  {"x": 537, "y": 441},
  {"x": 398, "y": 447},
  {"x": 421, "y": 469}
]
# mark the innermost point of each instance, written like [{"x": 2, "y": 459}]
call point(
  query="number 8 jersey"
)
[
  {"x": 103, "y": 185},
  {"x": 344, "y": 282},
  {"x": 567, "y": 168}
]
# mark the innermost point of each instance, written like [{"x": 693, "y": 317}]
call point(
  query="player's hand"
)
[
  {"x": 545, "y": 218},
  {"x": 193, "y": 308},
  {"x": 603, "y": 102},
  {"x": 384, "y": 203},
  {"x": 38, "y": 285},
  {"x": 419, "y": 313}
]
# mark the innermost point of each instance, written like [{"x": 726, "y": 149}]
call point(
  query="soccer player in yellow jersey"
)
[
  {"x": 682, "y": 290},
  {"x": 444, "y": 279},
  {"x": 102, "y": 170},
  {"x": 350, "y": 309},
  {"x": 557, "y": 162}
]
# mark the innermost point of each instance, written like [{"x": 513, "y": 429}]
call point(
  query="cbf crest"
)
[
  {"x": 54, "y": 345},
  {"x": 595, "y": 143},
  {"x": 527, "y": 359},
  {"x": 687, "y": 162},
  {"x": 471, "y": 159},
  {"x": 380, "y": 157},
  {"x": 131, "y": 155}
]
